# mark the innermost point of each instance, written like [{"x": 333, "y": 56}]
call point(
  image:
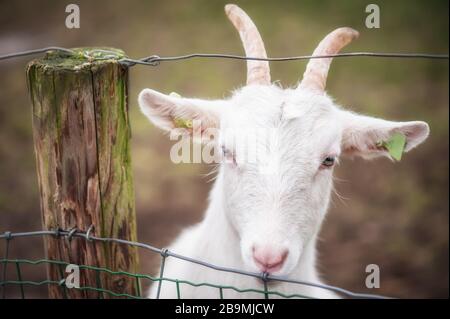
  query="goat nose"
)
[{"x": 269, "y": 260}]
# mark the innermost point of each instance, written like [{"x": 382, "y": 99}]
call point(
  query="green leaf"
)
[{"x": 395, "y": 145}]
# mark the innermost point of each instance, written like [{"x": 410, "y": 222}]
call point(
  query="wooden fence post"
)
[{"x": 82, "y": 143}]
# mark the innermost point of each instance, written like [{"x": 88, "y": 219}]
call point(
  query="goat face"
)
[{"x": 276, "y": 201}]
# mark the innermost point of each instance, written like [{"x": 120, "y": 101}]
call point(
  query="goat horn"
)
[
  {"x": 315, "y": 76},
  {"x": 258, "y": 72}
]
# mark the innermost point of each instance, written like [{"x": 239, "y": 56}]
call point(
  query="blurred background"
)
[{"x": 393, "y": 215}]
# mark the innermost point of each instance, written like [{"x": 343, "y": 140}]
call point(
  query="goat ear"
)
[
  {"x": 366, "y": 136},
  {"x": 172, "y": 111}
]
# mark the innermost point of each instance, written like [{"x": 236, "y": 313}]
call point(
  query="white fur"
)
[{"x": 280, "y": 210}]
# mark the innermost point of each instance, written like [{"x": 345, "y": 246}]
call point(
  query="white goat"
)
[{"x": 270, "y": 222}]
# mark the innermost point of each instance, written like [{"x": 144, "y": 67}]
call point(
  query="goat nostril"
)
[
  {"x": 268, "y": 261},
  {"x": 284, "y": 255},
  {"x": 279, "y": 260}
]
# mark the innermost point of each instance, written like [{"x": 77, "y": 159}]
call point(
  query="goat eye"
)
[
  {"x": 225, "y": 152},
  {"x": 328, "y": 162},
  {"x": 228, "y": 156}
]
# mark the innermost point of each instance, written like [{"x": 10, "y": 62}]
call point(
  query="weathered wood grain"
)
[{"x": 81, "y": 138}]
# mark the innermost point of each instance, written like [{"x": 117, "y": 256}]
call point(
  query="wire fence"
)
[
  {"x": 7, "y": 237},
  {"x": 154, "y": 60}
]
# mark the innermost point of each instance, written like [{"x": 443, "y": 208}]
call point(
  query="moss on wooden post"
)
[{"x": 82, "y": 143}]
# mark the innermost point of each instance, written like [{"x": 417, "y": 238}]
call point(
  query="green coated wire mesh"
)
[
  {"x": 22, "y": 284},
  {"x": 12, "y": 274}
]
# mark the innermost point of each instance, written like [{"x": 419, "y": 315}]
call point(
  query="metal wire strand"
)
[
  {"x": 166, "y": 253},
  {"x": 154, "y": 60},
  {"x": 33, "y": 52}
]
